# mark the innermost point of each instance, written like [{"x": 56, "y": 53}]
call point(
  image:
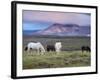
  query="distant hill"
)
[{"x": 64, "y": 30}]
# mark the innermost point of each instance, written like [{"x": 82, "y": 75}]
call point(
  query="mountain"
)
[
  {"x": 65, "y": 30},
  {"x": 59, "y": 28}
]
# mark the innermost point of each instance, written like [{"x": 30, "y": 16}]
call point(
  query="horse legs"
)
[
  {"x": 29, "y": 50},
  {"x": 57, "y": 51},
  {"x": 82, "y": 50},
  {"x": 88, "y": 51},
  {"x": 38, "y": 51}
]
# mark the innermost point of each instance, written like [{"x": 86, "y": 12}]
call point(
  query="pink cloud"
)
[{"x": 57, "y": 17}]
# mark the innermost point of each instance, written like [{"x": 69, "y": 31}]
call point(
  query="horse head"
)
[{"x": 41, "y": 47}]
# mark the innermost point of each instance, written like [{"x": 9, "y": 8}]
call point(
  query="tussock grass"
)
[{"x": 53, "y": 60}]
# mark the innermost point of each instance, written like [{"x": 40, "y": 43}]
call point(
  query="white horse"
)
[
  {"x": 58, "y": 47},
  {"x": 38, "y": 46}
]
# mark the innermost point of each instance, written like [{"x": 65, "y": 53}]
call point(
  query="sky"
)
[{"x": 37, "y": 20}]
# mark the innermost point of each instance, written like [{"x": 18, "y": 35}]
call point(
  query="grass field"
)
[
  {"x": 53, "y": 60},
  {"x": 71, "y": 55}
]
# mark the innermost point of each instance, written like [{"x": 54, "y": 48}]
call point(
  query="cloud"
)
[{"x": 56, "y": 17}]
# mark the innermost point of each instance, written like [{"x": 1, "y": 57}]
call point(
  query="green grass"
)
[{"x": 53, "y": 60}]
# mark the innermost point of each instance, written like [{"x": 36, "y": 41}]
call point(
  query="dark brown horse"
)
[
  {"x": 50, "y": 48},
  {"x": 85, "y": 48}
]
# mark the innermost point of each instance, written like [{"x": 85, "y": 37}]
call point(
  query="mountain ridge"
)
[{"x": 64, "y": 30}]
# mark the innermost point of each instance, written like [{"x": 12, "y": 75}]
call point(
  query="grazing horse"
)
[
  {"x": 85, "y": 48},
  {"x": 50, "y": 48},
  {"x": 58, "y": 47},
  {"x": 38, "y": 46}
]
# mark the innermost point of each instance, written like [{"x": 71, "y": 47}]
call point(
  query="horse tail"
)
[{"x": 26, "y": 48}]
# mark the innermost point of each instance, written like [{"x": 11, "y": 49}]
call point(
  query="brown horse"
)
[
  {"x": 50, "y": 48},
  {"x": 85, "y": 48}
]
